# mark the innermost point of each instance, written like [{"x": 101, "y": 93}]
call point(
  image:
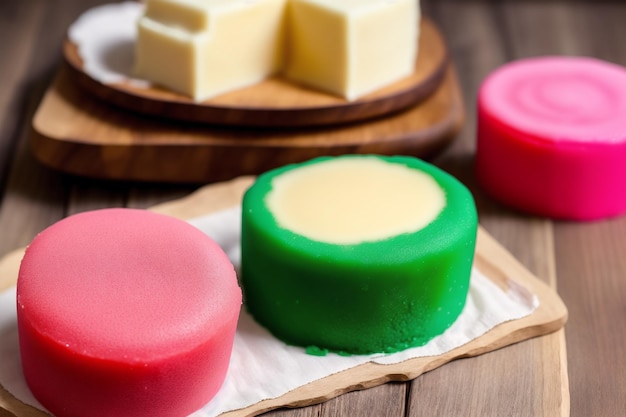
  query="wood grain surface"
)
[
  {"x": 491, "y": 259},
  {"x": 584, "y": 261},
  {"x": 276, "y": 102}
]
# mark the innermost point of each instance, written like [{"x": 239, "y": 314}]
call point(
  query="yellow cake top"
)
[{"x": 350, "y": 201}]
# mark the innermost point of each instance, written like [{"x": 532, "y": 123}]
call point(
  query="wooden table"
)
[{"x": 586, "y": 262}]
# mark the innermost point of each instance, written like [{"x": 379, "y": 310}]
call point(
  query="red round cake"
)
[
  {"x": 552, "y": 137},
  {"x": 125, "y": 312}
]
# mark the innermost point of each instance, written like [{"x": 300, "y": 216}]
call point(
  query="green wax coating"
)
[{"x": 381, "y": 296}]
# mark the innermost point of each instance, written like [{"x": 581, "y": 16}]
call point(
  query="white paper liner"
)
[
  {"x": 105, "y": 36},
  {"x": 263, "y": 367}
]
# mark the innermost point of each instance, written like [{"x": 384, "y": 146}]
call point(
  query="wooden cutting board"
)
[
  {"x": 77, "y": 134},
  {"x": 491, "y": 259},
  {"x": 276, "y": 102}
]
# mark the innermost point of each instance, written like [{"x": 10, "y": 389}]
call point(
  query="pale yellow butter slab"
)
[
  {"x": 351, "y": 47},
  {"x": 209, "y": 47}
]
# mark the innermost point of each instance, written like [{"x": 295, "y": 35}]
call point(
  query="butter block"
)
[
  {"x": 351, "y": 47},
  {"x": 190, "y": 15},
  {"x": 206, "y": 48}
]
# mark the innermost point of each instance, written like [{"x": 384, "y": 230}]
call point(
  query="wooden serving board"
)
[
  {"x": 276, "y": 102},
  {"x": 491, "y": 259},
  {"x": 77, "y": 134}
]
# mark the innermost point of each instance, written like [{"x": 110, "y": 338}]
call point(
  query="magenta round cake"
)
[
  {"x": 125, "y": 312},
  {"x": 552, "y": 137}
]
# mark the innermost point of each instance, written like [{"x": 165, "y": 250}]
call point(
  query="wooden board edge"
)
[{"x": 17, "y": 408}]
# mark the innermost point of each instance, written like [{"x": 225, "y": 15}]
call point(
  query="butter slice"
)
[
  {"x": 203, "y": 48},
  {"x": 351, "y": 47},
  {"x": 355, "y": 200}
]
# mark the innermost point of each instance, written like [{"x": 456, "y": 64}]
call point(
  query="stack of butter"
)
[{"x": 203, "y": 48}]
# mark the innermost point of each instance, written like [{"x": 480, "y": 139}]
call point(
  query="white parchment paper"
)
[{"x": 105, "y": 36}]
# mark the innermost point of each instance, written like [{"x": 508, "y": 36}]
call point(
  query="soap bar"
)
[
  {"x": 357, "y": 254},
  {"x": 125, "y": 312},
  {"x": 552, "y": 137},
  {"x": 351, "y": 47},
  {"x": 205, "y": 48}
]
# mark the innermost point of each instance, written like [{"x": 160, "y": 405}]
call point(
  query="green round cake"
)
[{"x": 357, "y": 254}]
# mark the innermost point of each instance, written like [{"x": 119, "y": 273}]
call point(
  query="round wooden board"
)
[{"x": 276, "y": 102}]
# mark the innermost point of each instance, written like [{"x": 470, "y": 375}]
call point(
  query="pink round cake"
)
[
  {"x": 125, "y": 312},
  {"x": 552, "y": 137}
]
